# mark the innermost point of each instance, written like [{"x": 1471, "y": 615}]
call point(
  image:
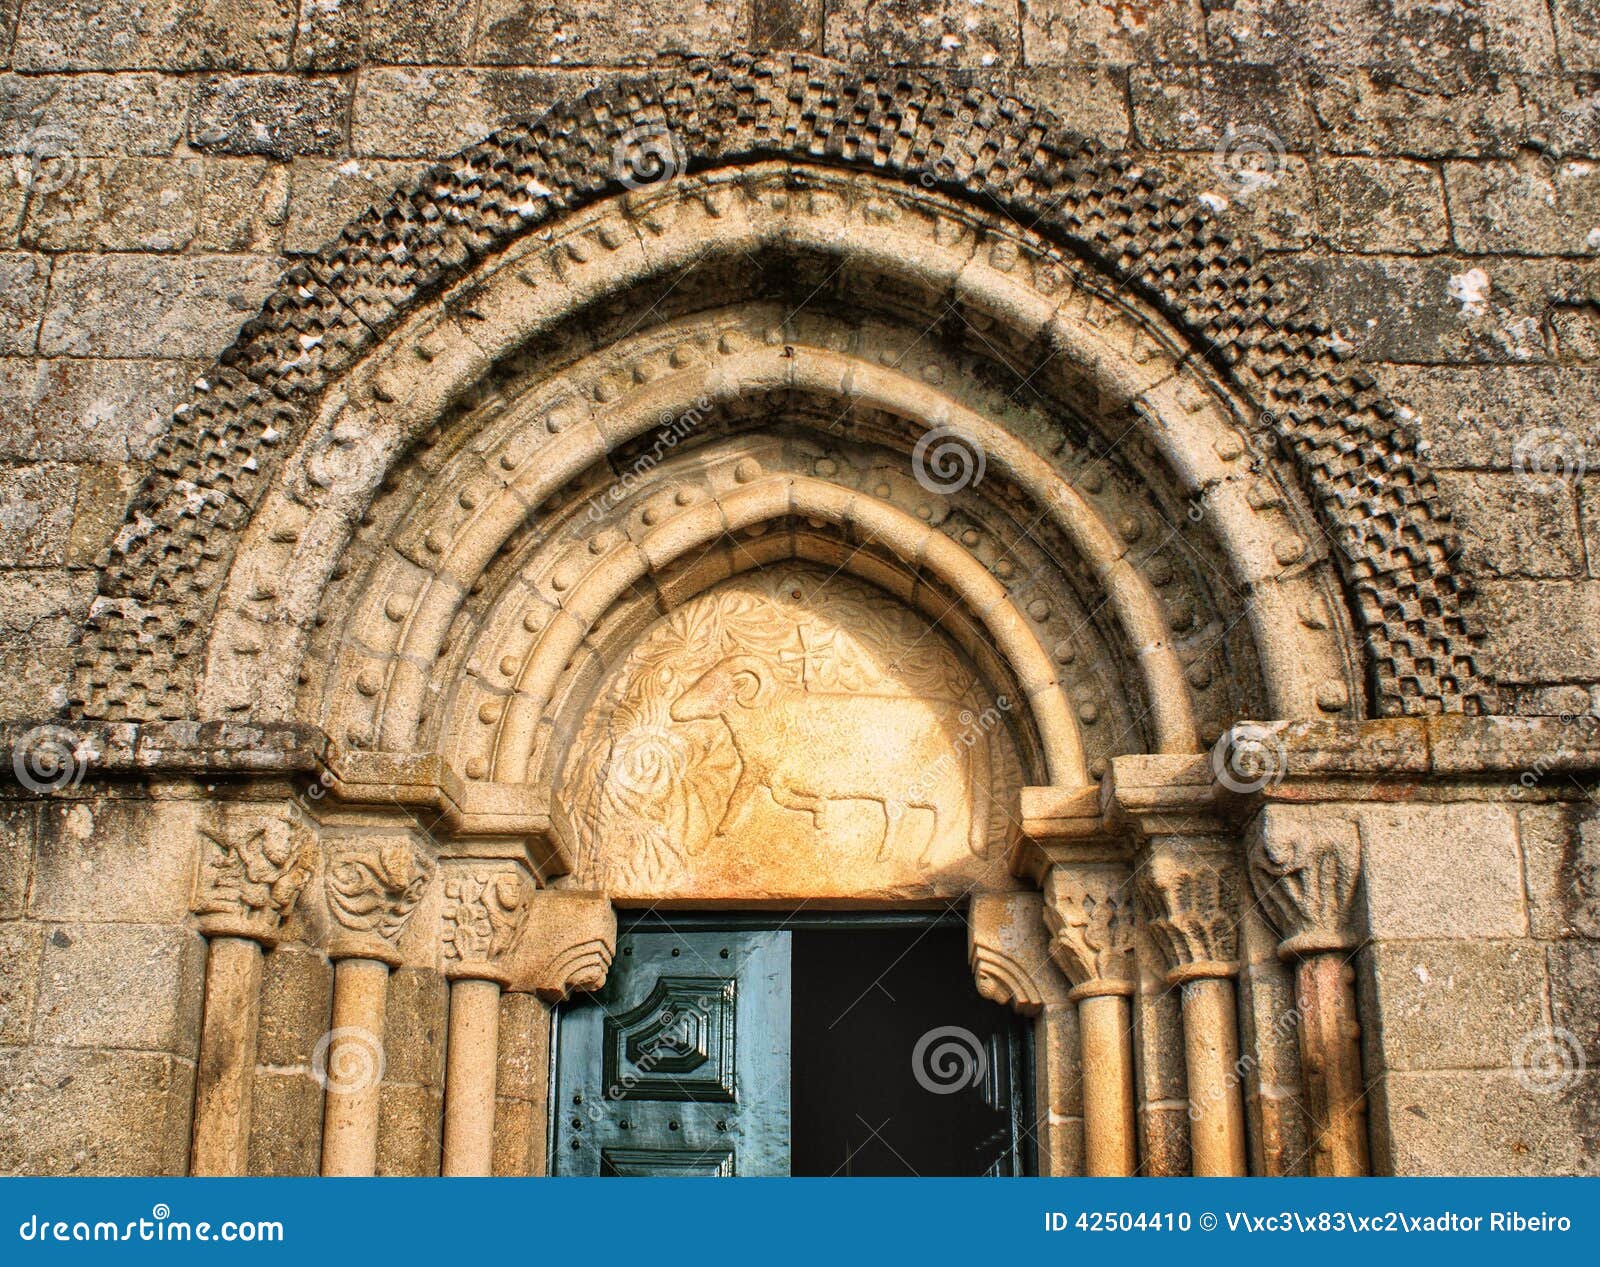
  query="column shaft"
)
[
  {"x": 1211, "y": 1057},
  {"x": 1105, "y": 1035},
  {"x": 354, "y": 1067},
  {"x": 226, "y": 1069},
  {"x": 1330, "y": 1055},
  {"x": 470, "y": 1063}
]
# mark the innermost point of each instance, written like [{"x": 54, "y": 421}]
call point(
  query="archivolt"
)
[{"x": 1151, "y": 305}]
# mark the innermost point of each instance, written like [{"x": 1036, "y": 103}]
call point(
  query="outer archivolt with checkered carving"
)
[{"x": 386, "y": 332}]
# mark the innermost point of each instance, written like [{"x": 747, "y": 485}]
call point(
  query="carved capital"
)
[
  {"x": 1305, "y": 874},
  {"x": 1091, "y": 918},
  {"x": 1008, "y": 950},
  {"x": 256, "y": 862},
  {"x": 484, "y": 913},
  {"x": 570, "y": 940},
  {"x": 372, "y": 888},
  {"x": 1191, "y": 904}
]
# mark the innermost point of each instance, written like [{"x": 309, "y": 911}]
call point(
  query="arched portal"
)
[{"x": 891, "y": 506}]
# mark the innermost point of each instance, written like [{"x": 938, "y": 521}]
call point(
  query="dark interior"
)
[{"x": 863, "y": 998}]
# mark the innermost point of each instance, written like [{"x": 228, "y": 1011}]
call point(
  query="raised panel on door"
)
[{"x": 680, "y": 1066}]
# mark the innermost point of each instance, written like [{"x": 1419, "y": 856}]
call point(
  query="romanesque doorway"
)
[{"x": 801, "y": 1044}]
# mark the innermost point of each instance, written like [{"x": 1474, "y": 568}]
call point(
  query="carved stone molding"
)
[
  {"x": 1305, "y": 874},
  {"x": 568, "y": 945},
  {"x": 1009, "y": 952},
  {"x": 1090, "y": 914},
  {"x": 484, "y": 914},
  {"x": 256, "y": 863},
  {"x": 372, "y": 888},
  {"x": 1191, "y": 904}
]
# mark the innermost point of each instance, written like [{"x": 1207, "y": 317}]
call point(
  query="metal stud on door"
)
[{"x": 680, "y": 1066}]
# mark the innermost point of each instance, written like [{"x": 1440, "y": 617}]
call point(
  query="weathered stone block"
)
[
  {"x": 133, "y": 204},
  {"x": 93, "y": 1113},
  {"x": 243, "y": 205},
  {"x": 1441, "y": 871},
  {"x": 414, "y": 1033},
  {"x": 1513, "y": 526},
  {"x": 22, "y": 287},
  {"x": 1380, "y": 205},
  {"x": 1561, "y": 852},
  {"x": 175, "y": 34},
  {"x": 158, "y": 306},
  {"x": 1473, "y": 417},
  {"x": 1090, "y": 100},
  {"x": 1482, "y": 1123},
  {"x": 924, "y": 32},
  {"x": 89, "y": 115},
  {"x": 1421, "y": 116},
  {"x": 1277, "y": 206},
  {"x": 1578, "y": 28},
  {"x": 276, "y": 115},
  {"x": 21, "y": 945},
  {"x": 18, "y": 824},
  {"x": 1539, "y": 631},
  {"x": 1213, "y": 107},
  {"x": 1575, "y": 1005},
  {"x": 410, "y": 1130},
  {"x": 524, "y": 1060},
  {"x": 1066, "y": 32},
  {"x": 104, "y": 488},
  {"x": 600, "y": 32},
  {"x": 1338, "y": 33},
  {"x": 296, "y": 1004},
  {"x": 1452, "y": 1004},
  {"x": 401, "y": 112},
  {"x": 285, "y": 1124},
  {"x": 1534, "y": 206},
  {"x": 133, "y": 986},
  {"x": 36, "y": 505},
  {"x": 122, "y": 861},
  {"x": 99, "y": 410}
]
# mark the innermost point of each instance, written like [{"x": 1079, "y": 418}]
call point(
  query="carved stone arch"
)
[{"x": 349, "y": 330}]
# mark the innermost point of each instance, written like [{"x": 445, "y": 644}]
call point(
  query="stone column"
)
[
  {"x": 1192, "y": 908},
  {"x": 1009, "y": 953},
  {"x": 1089, "y": 912},
  {"x": 1304, "y": 872},
  {"x": 485, "y": 912},
  {"x": 255, "y": 866},
  {"x": 372, "y": 887}
]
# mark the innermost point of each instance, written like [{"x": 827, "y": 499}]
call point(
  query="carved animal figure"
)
[{"x": 809, "y": 749}]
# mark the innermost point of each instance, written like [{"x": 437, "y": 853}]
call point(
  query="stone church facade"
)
[{"x": 1116, "y": 473}]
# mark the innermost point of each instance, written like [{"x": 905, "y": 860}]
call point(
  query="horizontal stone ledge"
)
[{"x": 55, "y": 756}]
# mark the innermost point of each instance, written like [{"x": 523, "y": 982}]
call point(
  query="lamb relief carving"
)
[{"x": 797, "y": 732}]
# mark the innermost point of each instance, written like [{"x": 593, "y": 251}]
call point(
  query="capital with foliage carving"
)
[
  {"x": 1305, "y": 875},
  {"x": 256, "y": 864},
  {"x": 372, "y": 888},
  {"x": 1091, "y": 919},
  {"x": 1191, "y": 906},
  {"x": 485, "y": 911}
]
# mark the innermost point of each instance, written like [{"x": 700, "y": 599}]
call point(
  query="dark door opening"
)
[
  {"x": 822, "y": 1045},
  {"x": 899, "y": 1066}
]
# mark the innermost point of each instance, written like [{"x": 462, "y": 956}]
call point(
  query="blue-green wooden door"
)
[{"x": 680, "y": 1066}]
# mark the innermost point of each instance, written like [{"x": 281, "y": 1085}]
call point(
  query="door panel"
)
[{"x": 680, "y": 1066}]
